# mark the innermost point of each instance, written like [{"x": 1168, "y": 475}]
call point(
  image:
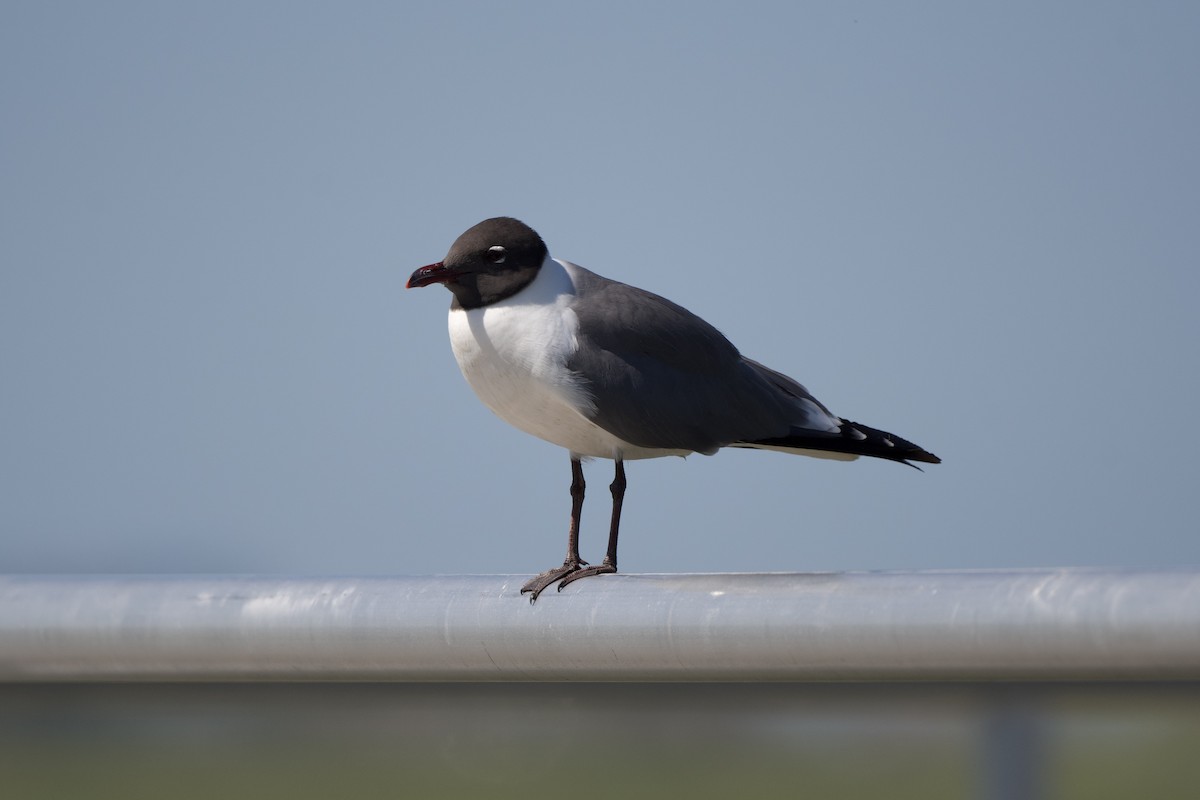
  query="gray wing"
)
[{"x": 661, "y": 377}]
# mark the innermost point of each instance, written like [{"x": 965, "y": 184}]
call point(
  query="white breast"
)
[{"x": 514, "y": 354}]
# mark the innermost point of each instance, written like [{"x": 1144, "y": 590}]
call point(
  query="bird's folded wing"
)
[{"x": 661, "y": 377}]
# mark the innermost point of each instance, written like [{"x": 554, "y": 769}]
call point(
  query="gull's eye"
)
[{"x": 497, "y": 254}]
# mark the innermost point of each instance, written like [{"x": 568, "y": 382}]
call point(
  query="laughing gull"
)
[{"x": 608, "y": 370}]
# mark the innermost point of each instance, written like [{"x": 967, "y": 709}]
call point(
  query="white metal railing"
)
[{"x": 1054, "y": 624}]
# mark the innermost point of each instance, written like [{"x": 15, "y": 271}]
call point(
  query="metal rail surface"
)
[{"x": 1060, "y": 624}]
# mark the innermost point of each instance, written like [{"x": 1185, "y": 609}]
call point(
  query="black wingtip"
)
[
  {"x": 856, "y": 439},
  {"x": 881, "y": 444},
  {"x": 925, "y": 457}
]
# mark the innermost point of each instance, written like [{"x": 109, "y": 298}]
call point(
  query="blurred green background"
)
[{"x": 594, "y": 740}]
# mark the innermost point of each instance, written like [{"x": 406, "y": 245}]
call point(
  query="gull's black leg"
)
[
  {"x": 573, "y": 562},
  {"x": 610, "y": 556}
]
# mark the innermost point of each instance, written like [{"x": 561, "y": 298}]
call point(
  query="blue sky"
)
[{"x": 973, "y": 226}]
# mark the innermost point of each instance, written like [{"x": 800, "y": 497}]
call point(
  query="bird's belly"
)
[
  {"x": 538, "y": 409},
  {"x": 541, "y": 400}
]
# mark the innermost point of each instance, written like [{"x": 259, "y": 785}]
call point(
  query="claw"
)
[
  {"x": 537, "y": 583},
  {"x": 567, "y": 573},
  {"x": 602, "y": 569}
]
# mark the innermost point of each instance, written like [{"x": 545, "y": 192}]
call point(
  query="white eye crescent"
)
[{"x": 497, "y": 254}]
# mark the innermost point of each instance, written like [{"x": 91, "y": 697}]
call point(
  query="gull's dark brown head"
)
[{"x": 489, "y": 262}]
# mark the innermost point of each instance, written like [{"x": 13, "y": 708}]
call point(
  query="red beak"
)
[{"x": 434, "y": 273}]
